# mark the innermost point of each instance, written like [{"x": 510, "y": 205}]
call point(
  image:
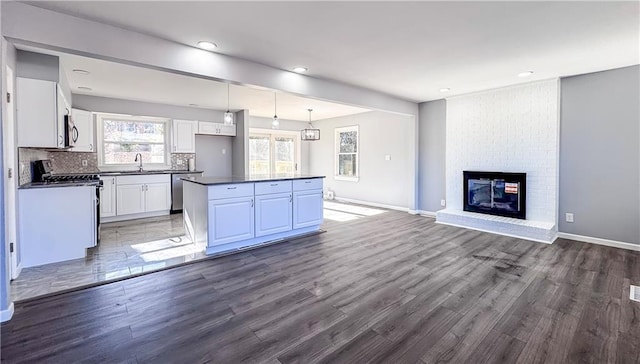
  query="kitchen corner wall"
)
[
  {"x": 431, "y": 171},
  {"x": 387, "y": 182}
]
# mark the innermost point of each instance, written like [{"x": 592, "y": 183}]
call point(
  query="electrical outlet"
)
[
  {"x": 224, "y": 151},
  {"x": 443, "y": 203},
  {"x": 568, "y": 217},
  {"x": 387, "y": 157},
  {"x": 84, "y": 163},
  {"x": 179, "y": 162}
]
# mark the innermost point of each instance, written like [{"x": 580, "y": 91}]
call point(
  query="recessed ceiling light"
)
[
  {"x": 446, "y": 89},
  {"x": 85, "y": 88},
  {"x": 300, "y": 69},
  {"x": 81, "y": 72},
  {"x": 207, "y": 45},
  {"x": 525, "y": 74}
]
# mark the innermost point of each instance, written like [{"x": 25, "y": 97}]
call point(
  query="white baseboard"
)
[
  {"x": 18, "y": 271},
  {"x": 372, "y": 204},
  {"x": 5, "y": 315},
  {"x": 134, "y": 216},
  {"x": 499, "y": 233},
  {"x": 599, "y": 241},
  {"x": 427, "y": 213}
]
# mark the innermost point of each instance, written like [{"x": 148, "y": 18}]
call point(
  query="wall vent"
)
[{"x": 635, "y": 293}]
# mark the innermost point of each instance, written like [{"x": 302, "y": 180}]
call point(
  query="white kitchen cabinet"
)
[
  {"x": 184, "y": 136},
  {"x": 130, "y": 199},
  {"x": 56, "y": 223},
  {"x": 230, "y": 220},
  {"x": 273, "y": 213},
  {"x": 137, "y": 194},
  {"x": 209, "y": 128},
  {"x": 307, "y": 202},
  {"x": 83, "y": 121},
  {"x": 157, "y": 197},
  {"x": 108, "y": 197},
  {"x": 41, "y": 108}
]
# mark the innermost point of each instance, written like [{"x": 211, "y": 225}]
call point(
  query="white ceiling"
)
[
  {"x": 407, "y": 49},
  {"x": 122, "y": 81}
]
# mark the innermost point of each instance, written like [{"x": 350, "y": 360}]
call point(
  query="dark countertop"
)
[
  {"x": 210, "y": 181},
  {"x": 31, "y": 185},
  {"x": 136, "y": 173}
]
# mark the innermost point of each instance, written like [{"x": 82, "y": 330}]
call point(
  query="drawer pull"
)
[
  {"x": 231, "y": 188},
  {"x": 307, "y": 181},
  {"x": 274, "y": 184}
]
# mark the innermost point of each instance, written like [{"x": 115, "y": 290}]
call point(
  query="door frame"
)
[
  {"x": 11, "y": 179},
  {"x": 272, "y": 133}
]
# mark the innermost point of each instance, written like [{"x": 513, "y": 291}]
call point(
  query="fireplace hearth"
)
[{"x": 495, "y": 193}]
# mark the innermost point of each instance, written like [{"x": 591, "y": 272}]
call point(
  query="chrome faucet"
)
[{"x": 136, "y": 160}]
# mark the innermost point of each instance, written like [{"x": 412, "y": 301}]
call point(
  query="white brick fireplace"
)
[{"x": 513, "y": 129}]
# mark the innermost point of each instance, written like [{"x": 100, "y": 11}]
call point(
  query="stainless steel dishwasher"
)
[{"x": 176, "y": 189}]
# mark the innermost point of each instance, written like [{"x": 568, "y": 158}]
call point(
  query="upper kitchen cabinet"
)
[
  {"x": 84, "y": 123},
  {"x": 184, "y": 136},
  {"x": 209, "y": 128},
  {"x": 41, "y": 108}
]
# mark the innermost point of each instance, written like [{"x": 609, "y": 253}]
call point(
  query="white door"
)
[
  {"x": 130, "y": 199},
  {"x": 184, "y": 136},
  {"x": 158, "y": 197},
  {"x": 10, "y": 178},
  {"x": 307, "y": 208},
  {"x": 84, "y": 123},
  {"x": 108, "y": 197},
  {"x": 273, "y": 213},
  {"x": 230, "y": 220}
]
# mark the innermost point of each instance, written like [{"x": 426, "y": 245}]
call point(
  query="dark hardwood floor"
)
[{"x": 389, "y": 288}]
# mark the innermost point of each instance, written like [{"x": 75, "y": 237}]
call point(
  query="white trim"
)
[
  {"x": 600, "y": 241},
  {"x": 336, "y": 153},
  {"x": 499, "y": 233},
  {"x": 18, "y": 271},
  {"x": 373, "y": 204},
  {"x": 141, "y": 215},
  {"x": 426, "y": 213},
  {"x": 5, "y": 315}
]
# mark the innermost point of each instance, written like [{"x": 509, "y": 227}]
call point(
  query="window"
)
[
  {"x": 347, "y": 163},
  {"x": 121, "y": 137},
  {"x": 273, "y": 152}
]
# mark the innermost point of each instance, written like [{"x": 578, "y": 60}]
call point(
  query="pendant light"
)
[
  {"x": 228, "y": 116},
  {"x": 310, "y": 133},
  {"x": 275, "y": 123}
]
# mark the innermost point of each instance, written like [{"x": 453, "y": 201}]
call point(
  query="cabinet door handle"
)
[
  {"x": 231, "y": 188},
  {"x": 113, "y": 181},
  {"x": 274, "y": 184},
  {"x": 307, "y": 181},
  {"x": 290, "y": 198},
  {"x": 60, "y": 139},
  {"x": 251, "y": 202},
  {"x": 90, "y": 146}
]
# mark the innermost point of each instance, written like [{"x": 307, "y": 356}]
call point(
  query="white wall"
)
[
  {"x": 512, "y": 129},
  {"x": 381, "y": 181}
]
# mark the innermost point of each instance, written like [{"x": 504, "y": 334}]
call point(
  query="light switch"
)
[
  {"x": 179, "y": 162},
  {"x": 84, "y": 163},
  {"x": 569, "y": 217},
  {"x": 387, "y": 157},
  {"x": 224, "y": 151},
  {"x": 443, "y": 203}
]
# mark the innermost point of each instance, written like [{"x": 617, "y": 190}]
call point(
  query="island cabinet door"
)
[
  {"x": 274, "y": 213},
  {"x": 307, "y": 208},
  {"x": 231, "y": 220}
]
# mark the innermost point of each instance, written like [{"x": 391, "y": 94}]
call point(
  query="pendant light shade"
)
[
  {"x": 310, "y": 133},
  {"x": 275, "y": 123},
  {"x": 228, "y": 115}
]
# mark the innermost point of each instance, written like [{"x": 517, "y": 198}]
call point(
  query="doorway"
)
[
  {"x": 273, "y": 152},
  {"x": 10, "y": 184}
]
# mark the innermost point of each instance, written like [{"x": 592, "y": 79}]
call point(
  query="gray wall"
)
[
  {"x": 600, "y": 154},
  {"x": 431, "y": 151},
  {"x": 130, "y": 107},
  {"x": 213, "y": 155},
  {"x": 240, "y": 154},
  {"x": 381, "y": 181},
  {"x": 42, "y": 67},
  {"x": 290, "y": 125}
]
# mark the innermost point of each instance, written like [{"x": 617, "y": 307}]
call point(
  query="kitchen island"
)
[{"x": 236, "y": 213}]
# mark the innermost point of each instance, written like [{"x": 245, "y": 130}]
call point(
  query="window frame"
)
[
  {"x": 273, "y": 133},
  {"x": 100, "y": 117},
  {"x": 336, "y": 143}
]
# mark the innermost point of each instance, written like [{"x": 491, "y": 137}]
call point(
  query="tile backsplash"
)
[{"x": 71, "y": 162}]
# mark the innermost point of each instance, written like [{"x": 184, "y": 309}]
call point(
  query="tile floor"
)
[{"x": 126, "y": 248}]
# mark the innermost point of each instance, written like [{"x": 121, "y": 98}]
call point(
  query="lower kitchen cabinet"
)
[
  {"x": 158, "y": 197},
  {"x": 273, "y": 213},
  {"x": 307, "y": 208},
  {"x": 130, "y": 199},
  {"x": 108, "y": 197},
  {"x": 230, "y": 220}
]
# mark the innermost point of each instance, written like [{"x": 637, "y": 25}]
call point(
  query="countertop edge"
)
[{"x": 214, "y": 183}]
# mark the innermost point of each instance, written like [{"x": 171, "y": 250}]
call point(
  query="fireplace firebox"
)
[{"x": 495, "y": 193}]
